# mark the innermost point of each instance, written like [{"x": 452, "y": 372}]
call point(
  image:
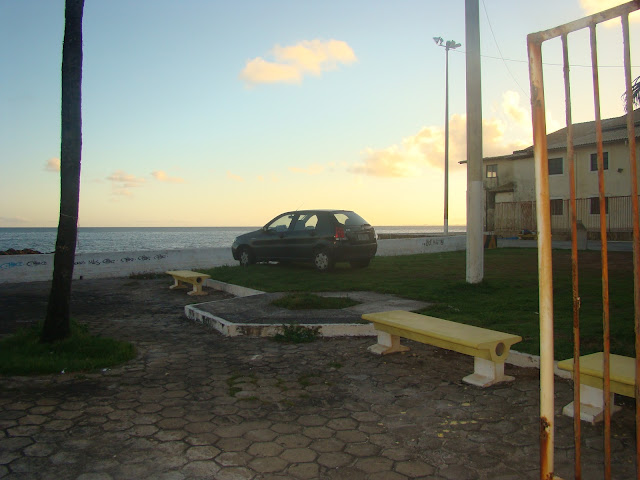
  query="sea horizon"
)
[{"x": 123, "y": 239}]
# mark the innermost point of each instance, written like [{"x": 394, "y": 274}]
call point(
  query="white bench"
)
[
  {"x": 180, "y": 277},
  {"x": 489, "y": 348},
  {"x": 622, "y": 380}
]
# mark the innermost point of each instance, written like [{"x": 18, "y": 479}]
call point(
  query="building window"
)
[
  {"x": 556, "y": 166},
  {"x": 492, "y": 171},
  {"x": 557, "y": 206},
  {"x": 594, "y": 207},
  {"x": 594, "y": 161}
]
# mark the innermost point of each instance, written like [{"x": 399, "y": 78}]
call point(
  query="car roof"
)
[{"x": 318, "y": 210}]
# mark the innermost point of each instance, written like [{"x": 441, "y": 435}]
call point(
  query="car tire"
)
[
  {"x": 323, "y": 260},
  {"x": 246, "y": 257},
  {"x": 360, "y": 263}
]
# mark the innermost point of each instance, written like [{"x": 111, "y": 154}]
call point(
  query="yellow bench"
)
[
  {"x": 180, "y": 277},
  {"x": 488, "y": 347},
  {"x": 622, "y": 380}
]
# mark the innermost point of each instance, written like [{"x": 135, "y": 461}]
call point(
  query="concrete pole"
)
[
  {"x": 475, "y": 198},
  {"x": 446, "y": 142}
]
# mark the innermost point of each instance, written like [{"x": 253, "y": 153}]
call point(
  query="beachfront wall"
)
[{"x": 32, "y": 268}]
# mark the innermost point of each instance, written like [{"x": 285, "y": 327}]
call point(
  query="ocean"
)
[{"x": 125, "y": 239}]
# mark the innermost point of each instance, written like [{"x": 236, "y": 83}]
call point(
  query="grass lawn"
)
[
  {"x": 507, "y": 299},
  {"x": 24, "y": 354}
]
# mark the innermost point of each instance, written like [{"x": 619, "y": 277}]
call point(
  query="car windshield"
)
[
  {"x": 281, "y": 223},
  {"x": 350, "y": 219}
]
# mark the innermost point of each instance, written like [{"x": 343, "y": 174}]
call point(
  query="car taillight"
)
[{"x": 340, "y": 234}]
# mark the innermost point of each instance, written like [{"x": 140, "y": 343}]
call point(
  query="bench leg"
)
[
  {"x": 177, "y": 284},
  {"x": 591, "y": 405},
  {"x": 387, "y": 343},
  {"x": 197, "y": 290},
  {"x": 486, "y": 373}
]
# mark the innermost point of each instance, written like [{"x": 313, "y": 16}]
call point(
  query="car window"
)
[
  {"x": 281, "y": 224},
  {"x": 349, "y": 218},
  {"x": 306, "y": 222}
]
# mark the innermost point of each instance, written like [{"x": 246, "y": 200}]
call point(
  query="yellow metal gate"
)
[{"x": 534, "y": 44}]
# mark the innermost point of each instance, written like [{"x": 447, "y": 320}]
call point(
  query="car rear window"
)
[{"x": 349, "y": 218}]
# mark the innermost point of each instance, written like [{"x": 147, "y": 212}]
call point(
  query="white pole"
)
[
  {"x": 475, "y": 203},
  {"x": 446, "y": 143}
]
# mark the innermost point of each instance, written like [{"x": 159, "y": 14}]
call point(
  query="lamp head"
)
[
  {"x": 438, "y": 40},
  {"x": 451, "y": 44}
]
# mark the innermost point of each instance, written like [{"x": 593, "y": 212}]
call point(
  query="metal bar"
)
[
  {"x": 606, "y": 390},
  {"x": 633, "y": 172},
  {"x": 571, "y": 159},
  {"x": 585, "y": 22},
  {"x": 545, "y": 276}
]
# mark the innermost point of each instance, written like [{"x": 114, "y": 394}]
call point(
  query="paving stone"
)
[
  {"x": 298, "y": 455},
  {"x": 168, "y": 414},
  {"x": 414, "y": 469},
  {"x": 334, "y": 459},
  {"x": 202, "y": 453},
  {"x": 304, "y": 471},
  {"x": 267, "y": 464},
  {"x": 374, "y": 464}
]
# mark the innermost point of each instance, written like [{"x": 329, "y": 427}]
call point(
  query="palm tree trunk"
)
[{"x": 56, "y": 324}]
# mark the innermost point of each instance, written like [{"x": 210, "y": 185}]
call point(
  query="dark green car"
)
[{"x": 323, "y": 237}]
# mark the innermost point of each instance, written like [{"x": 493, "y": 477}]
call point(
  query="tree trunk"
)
[{"x": 57, "y": 325}]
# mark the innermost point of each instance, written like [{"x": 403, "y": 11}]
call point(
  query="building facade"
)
[{"x": 509, "y": 182}]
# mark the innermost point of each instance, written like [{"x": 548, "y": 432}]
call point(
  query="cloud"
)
[
  {"x": 426, "y": 150},
  {"x": 590, "y": 7},
  {"x": 291, "y": 63},
  {"x": 513, "y": 110},
  {"x": 52, "y": 165},
  {"x": 122, "y": 182},
  {"x": 314, "y": 169},
  {"x": 9, "y": 221},
  {"x": 162, "y": 176},
  {"x": 234, "y": 177}
]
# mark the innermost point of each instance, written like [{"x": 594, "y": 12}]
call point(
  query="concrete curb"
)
[{"x": 231, "y": 329}]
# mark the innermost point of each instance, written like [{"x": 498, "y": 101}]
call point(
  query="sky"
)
[{"x": 227, "y": 113}]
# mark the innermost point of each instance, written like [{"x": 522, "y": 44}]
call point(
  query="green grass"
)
[
  {"x": 309, "y": 301},
  {"x": 506, "y": 300},
  {"x": 295, "y": 333},
  {"x": 24, "y": 354}
]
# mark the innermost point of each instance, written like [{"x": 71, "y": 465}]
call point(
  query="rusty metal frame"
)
[{"x": 534, "y": 47}]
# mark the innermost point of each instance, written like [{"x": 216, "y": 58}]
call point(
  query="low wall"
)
[
  {"x": 409, "y": 246},
  {"x": 32, "y": 268}
]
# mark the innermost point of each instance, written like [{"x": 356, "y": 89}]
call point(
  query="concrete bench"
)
[
  {"x": 181, "y": 277},
  {"x": 622, "y": 380},
  {"x": 488, "y": 347}
]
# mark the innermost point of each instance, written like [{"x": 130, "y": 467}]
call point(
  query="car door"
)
[
  {"x": 303, "y": 236},
  {"x": 273, "y": 244}
]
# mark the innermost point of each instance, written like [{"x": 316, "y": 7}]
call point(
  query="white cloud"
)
[
  {"x": 426, "y": 150},
  {"x": 590, "y": 7},
  {"x": 291, "y": 63},
  {"x": 52, "y": 165},
  {"x": 513, "y": 110},
  {"x": 122, "y": 182},
  {"x": 12, "y": 221},
  {"x": 234, "y": 177},
  {"x": 162, "y": 176},
  {"x": 314, "y": 169}
]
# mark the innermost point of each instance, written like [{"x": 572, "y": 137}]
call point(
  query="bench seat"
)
[
  {"x": 489, "y": 348},
  {"x": 181, "y": 277},
  {"x": 622, "y": 380}
]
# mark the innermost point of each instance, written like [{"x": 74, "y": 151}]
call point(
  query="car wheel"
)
[
  {"x": 360, "y": 263},
  {"x": 323, "y": 260},
  {"x": 247, "y": 257}
]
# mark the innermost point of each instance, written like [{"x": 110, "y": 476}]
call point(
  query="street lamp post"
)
[{"x": 448, "y": 45}]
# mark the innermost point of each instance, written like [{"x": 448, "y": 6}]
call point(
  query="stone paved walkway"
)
[{"x": 194, "y": 404}]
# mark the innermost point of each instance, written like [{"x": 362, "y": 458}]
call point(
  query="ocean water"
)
[{"x": 124, "y": 239}]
